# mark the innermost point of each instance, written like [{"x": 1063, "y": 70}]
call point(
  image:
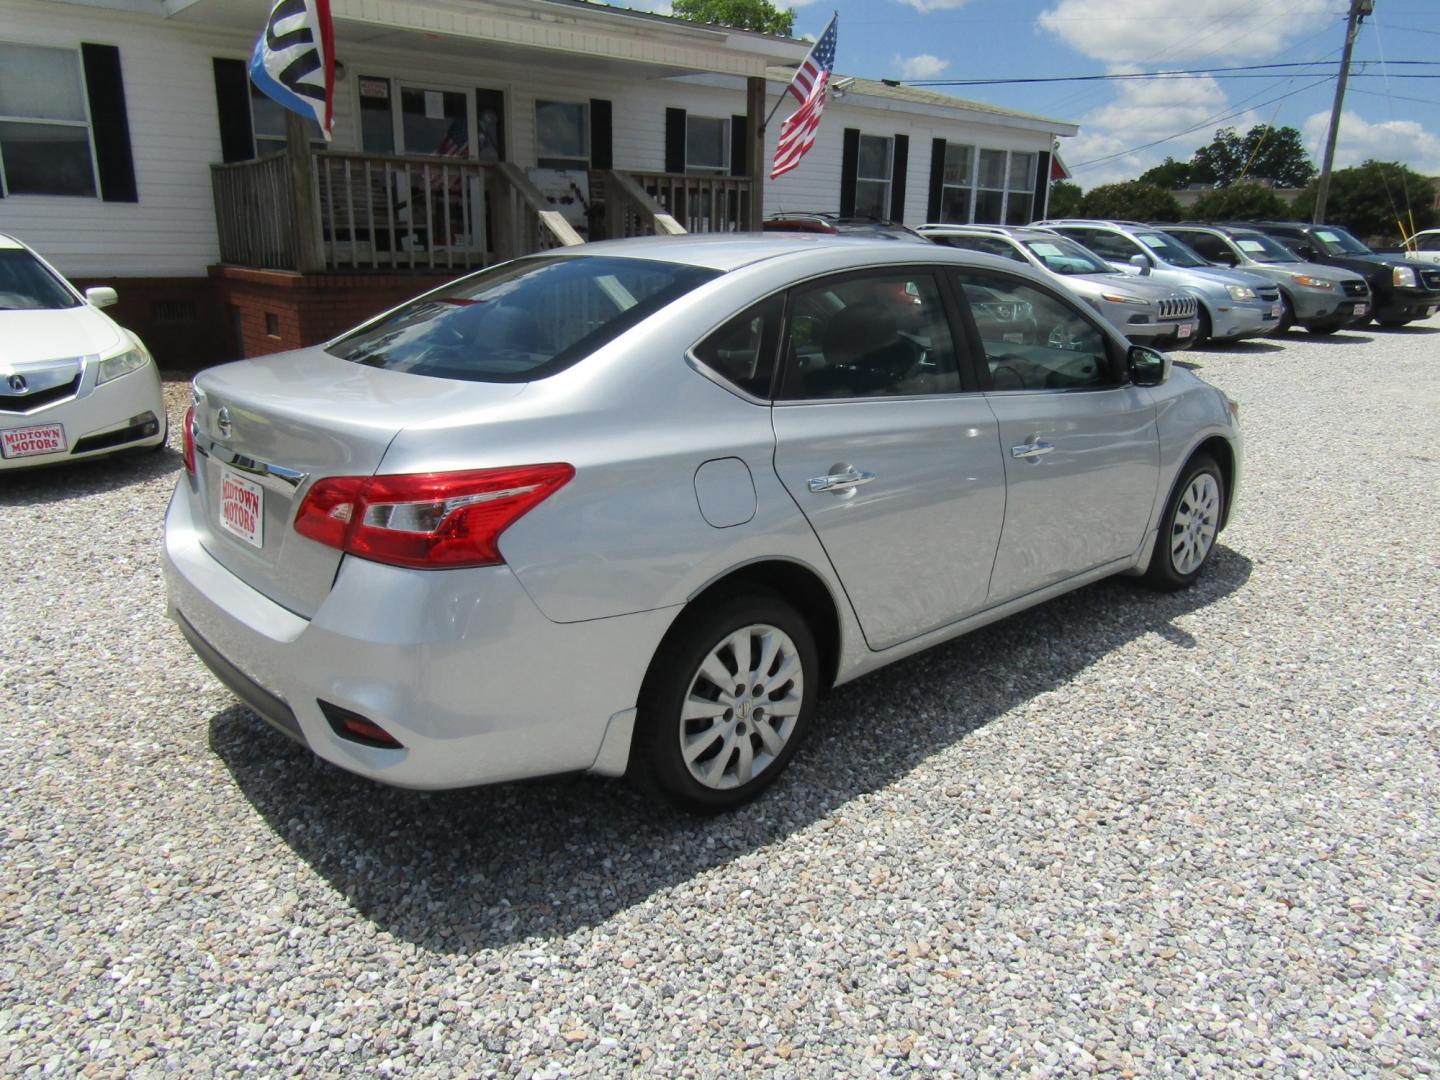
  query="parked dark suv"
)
[{"x": 1403, "y": 290}]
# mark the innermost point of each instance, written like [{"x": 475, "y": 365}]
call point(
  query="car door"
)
[
  {"x": 1079, "y": 443},
  {"x": 895, "y": 466}
]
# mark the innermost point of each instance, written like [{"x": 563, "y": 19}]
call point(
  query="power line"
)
[{"x": 1250, "y": 71}]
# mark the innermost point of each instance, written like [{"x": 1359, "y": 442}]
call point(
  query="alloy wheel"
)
[
  {"x": 1197, "y": 519},
  {"x": 742, "y": 706}
]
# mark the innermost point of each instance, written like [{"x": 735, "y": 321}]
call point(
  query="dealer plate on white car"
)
[
  {"x": 1183, "y": 330},
  {"x": 242, "y": 507},
  {"x": 1361, "y": 309},
  {"x": 1275, "y": 310},
  {"x": 29, "y": 441}
]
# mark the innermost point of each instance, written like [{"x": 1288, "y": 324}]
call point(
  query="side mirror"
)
[
  {"x": 101, "y": 296},
  {"x": 1148, "y": 367},
  {"x": 1226, "y": 257},
  {"x": 1306, "y": 251},
  {"x": 1141, "y": 261}
]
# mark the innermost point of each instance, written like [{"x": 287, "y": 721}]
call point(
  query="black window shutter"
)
[
  {"x": 739, "y": 146},
  {"x": 1042, "y": 185},
  {"x": 849, "y": 166},
  {"x": 232, "y": 102},
  {"x": 602, "y": 151},
  {"x": 937, "y": 180},
  {"x": 110, "y": 122},
  {"x": 898, "y": 174},
  {"x": 675, "y": 140}
]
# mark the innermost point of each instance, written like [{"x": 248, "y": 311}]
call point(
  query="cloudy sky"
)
[{"x": 1125, "y": 127}]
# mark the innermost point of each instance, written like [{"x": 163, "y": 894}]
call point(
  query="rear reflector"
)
[
  {"x": 426, "y": 520},
  {"x": 190, "y": 440},
  {"x": 354, "y": 727}
]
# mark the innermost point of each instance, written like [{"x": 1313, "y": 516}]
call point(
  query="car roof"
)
[
  {"x": 724, "y": 251},
  {"x": 1011, "y": 232}
]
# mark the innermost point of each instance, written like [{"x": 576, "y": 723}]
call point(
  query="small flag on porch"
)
[
  {"x": 797, "y": 134},
  {"x": 294, "y": 60}
]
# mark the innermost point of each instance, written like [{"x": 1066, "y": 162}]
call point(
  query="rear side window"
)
[
  {"x": 522, "y": 321},
  {"x": 742, "y": 351}
]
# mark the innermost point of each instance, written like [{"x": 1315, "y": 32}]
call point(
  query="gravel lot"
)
[{"x": 1128, "y": 833}]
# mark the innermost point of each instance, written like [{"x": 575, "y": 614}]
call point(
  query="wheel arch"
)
[
  {"x": 796, "y": 584},
  {"x": 1217, "y": 447}
]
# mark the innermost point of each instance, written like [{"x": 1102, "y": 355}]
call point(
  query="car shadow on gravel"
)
[
  {"x": 1403, "y": 330},
  {"x": 1248, "y": 347},
  {"x": 94, "y": 476},
  {"x": 456, "y": 872}
]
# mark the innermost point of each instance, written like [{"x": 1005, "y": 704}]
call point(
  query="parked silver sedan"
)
[{"x": 632, "y": 506}]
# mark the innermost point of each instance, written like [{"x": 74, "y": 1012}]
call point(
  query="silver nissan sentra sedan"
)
[{"x": 631, "y": 507}]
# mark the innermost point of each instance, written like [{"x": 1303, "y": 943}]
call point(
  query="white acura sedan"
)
[{"x": 73, "y": 383}]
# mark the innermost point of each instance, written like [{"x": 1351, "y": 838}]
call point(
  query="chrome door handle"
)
[
  {"x": 843, "y": 481},
  {"x": 1031, "y": 449}
]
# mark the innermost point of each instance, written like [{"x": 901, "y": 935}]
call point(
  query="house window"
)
[
  {"x": 707, "y": 144},
  {"x": 1021, "y": 198},
  {"x": 562, "y": 134},
  {"x": 44, "y": 123},
  {"x": 990, "y": 188},
  {"x": 268, "y": 117},
  {"x": 959, "y": 182},
  {"x": 872, "y": 177}
]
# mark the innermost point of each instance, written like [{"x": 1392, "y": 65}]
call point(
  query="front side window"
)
[
  {"x": 990, "y": 245},
  {"x": 562, "y": 134},
  {"x": 1211, "y": 247},
  {"x": 957, "y": 183},
  {"x": 1107, "y": 245},
  {"x": 742, "y": 351},
  {"x": 1033, "y": 340},
  {"x": 881, "y": 335},
  {"x": 44, "y": 123},
  {"x": 1429, "y": 243},
  {"x": 872, "y": 177},
  {"x": 707, "y": 144},
  {"x": 520, "y": 321},
  {"x": 25, "y": 284}
]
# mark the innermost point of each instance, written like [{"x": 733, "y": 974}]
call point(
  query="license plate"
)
[
  {"x": 1361, "y": 309},
  {"x": 29, "y": 441},
  {"x": 1184, "y": 330},
  {"x": 1275, "y": 311},
  {"x": 242, "y": 508}
]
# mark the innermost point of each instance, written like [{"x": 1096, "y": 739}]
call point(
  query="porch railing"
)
[
  {"x": 369, "y": 212},
  {"x": 698, "y": 203}
]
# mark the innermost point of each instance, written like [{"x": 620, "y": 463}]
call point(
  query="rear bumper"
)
[
  {"x": 99, "y": 417},
  {"x": 459, "y": 666}
]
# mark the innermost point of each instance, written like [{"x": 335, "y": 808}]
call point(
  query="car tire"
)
[
  {"x": 708, "y": 747},
  {"x": 1287, "y": 313},
  {"x": 1394, "y": 320},
  {"x": 1205, "y": 327},
  {"x": 1189, "y": 527}
]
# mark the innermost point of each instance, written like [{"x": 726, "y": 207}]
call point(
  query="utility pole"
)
[{"x": 1358, "y": 10}]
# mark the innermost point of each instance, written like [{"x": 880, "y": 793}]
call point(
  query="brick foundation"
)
[
  {"x": 179, "y": 319},
  {"x": 270, "y": 311}
]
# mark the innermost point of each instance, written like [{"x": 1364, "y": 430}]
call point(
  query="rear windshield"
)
[
  {"x": 26, "y": 285},
  {"x": 521, "y": 321},
  {"x": 1062, "y": 256}
]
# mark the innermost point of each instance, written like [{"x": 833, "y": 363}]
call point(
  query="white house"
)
[{"x": 133, "y": 151}]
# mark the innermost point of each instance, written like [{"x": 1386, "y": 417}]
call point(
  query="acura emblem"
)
[
  {"x": 18, "y": 384},
  {"x": 222, "y": 422}
]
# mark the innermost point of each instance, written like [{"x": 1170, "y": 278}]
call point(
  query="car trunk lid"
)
[{"x": 268, "y": 429}]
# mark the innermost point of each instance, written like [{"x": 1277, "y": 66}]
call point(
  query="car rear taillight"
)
[
  {"x": 189, "y": 440},
  {"x": 426, "y": 520}
]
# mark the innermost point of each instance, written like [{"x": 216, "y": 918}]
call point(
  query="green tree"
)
[
  {"x": 1169, "y": 174},
  {"x": 1240, "y": 202},
  {"x": 1065, "y": 199},
  {"x": 758, "y": 15},
  {"x": 1262, "y": 153},
  {"x": 1373, "y": 200},
  {"x": 1131, "y": 200}
]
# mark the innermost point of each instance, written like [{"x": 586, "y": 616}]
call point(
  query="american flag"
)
[{"x": 808, "y": 86}]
